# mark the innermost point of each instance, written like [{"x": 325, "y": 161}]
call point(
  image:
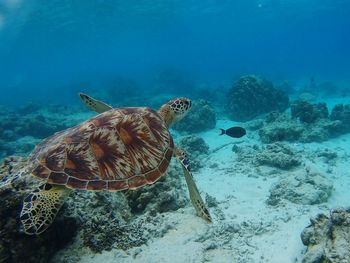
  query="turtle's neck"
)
[{"x": 167, "y": 115}]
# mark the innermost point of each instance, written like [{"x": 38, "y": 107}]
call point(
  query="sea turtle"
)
[{"x": 119, "y": 149}]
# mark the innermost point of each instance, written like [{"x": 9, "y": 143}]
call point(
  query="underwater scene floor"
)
[
  {"x": 261, "y": 196},
  {"x": 246, "y": 228}
]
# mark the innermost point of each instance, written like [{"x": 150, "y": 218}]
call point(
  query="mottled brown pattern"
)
[
  {"x": 153, "y": 176},
  {"x": 169, "y": 153},
  {"x": 114, "y": 164},
  {"x": 116, "y": 150},
  {"x": 144, "y": 150},
  {"x": 55, "y": 157},
  {"x": 70, "y": 164},
  {"x": 97, "y": 150},
  {"x": 136, "y": 182},
  {"x": 163, "y": 166},
  {"x": 58, "y": 178},
  {"x": 40, "y": 171},
  {"x": 82, "y": 162},
  {"x": 97, "y": 185},
  {"x": 107, "y": 119},
  {"x": 41, "y": 149},
  {"x": 75, "y": 183},
  {"x": 157, "y": 128},
  {"x": 132, "y": 110},
  {"x": 81, "y": 133},
  {"x": 125, "y": 136},
  {"x": 117, "y": 185}
]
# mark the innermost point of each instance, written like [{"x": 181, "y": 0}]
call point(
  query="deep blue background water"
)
[{"x": 51, "y": 49}]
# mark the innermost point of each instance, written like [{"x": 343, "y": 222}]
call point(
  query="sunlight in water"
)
[
  {"x": 12, "y": 3},
  {"x": 9, "y": 6},
  {"x": 2, "y": 21}
]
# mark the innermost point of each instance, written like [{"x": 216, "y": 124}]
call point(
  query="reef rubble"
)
[
  {"x": 307, "y": 122},
  {"x": 96, "y": 221},
  {"x": 301, "y": 187},
  {"x": 328, "y": 238},
  {"x": 196, "y": 148}
]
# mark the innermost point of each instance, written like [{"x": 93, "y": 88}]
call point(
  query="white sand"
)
[{"x": 273, "y": 233}]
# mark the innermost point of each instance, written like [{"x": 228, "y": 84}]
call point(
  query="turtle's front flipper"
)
[
  {"x": 41, "y": 206},
  {"x": 94, "y": 104},
  {"x": 196, "y": 199}
]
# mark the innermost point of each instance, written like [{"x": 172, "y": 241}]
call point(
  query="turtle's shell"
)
[{"x": 119, "y": 149}]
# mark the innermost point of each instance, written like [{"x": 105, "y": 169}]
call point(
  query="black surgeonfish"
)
[{"x": 235, "y": 132}]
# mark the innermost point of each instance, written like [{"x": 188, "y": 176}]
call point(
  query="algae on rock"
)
[
  {"x": 301, "y": 187},
  {"x": 196, "y": 148},
  {"x": 15, "y": 246},
  {"x": 328, "y": 238},
  {"x": 251, "y": 96},
  {"x": 201, "y": 117},
  {"x": 97, "y": 220},
  {"x": 278, "y": 155},
  {"x": 281, "y": 127}
]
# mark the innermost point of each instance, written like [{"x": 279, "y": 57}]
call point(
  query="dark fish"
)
[{"x": 235, "y": 132}]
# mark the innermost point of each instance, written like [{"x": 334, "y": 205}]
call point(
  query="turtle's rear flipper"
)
[
  {"x": 94, "y": 104},
  {"x": 41, "y": 206},
  {"x": 195, "y": 197}
]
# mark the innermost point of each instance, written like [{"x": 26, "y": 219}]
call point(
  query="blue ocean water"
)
[
  {"x": 50, "y": 49},
  {"x": 267, "y": 137}
]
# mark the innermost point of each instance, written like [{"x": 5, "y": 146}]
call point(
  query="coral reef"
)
[
  {"x": 196, "y": 148},
  {"x": 227, "y": 237},
  {"x": 101, "y": 220},
  {"x": 194, "y": 145},
  {"x": 307, "y": 123},
  {"x": 211, "y": 201},
  {"x": 21, "y": 129},
  {"x": 301, "y": 187},
  {"x": 341, "y": 113},
  {"x": 287, "y": 87},
  {"x": 306, "y": 96},
  {"x": 278, "y": 155},
  {"x": 127, "y": 219},
  {"x": 15, "y": 246},
  {"x": 308, "y": 112},
  {"x": 216, "y": 95},
  {"x": 202, "y": 117},
  {"x": 328, "y": 238},
  {"x": 163, "y": 196},
  {"x": 220, "y": 235},
  {"x": 246, "y": 153},
  {"x": 281, "y": 127},
  {"x": 252, "y": 96}
]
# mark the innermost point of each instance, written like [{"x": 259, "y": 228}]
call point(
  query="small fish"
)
[{"x": 235, "y": 132}]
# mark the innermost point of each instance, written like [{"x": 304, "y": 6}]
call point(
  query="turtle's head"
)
[{"x": 175, "y": 110}]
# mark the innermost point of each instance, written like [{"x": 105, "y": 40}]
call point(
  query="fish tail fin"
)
[{"x": 222, "y": 131}]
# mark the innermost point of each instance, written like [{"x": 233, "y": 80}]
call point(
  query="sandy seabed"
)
[{"x": 245, "y": 228}]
